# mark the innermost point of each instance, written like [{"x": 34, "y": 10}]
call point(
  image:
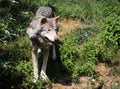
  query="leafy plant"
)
[
  {"x": 81, "y": 50},
  {"x": 109, "y": 36},
  {"x": 78, "y": 61}
]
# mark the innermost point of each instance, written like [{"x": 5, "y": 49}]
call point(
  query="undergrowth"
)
[
  {"x": 81, "y": 50},
  {"x": 71, "y": 52},
  {"x": 84, "y": 48}
]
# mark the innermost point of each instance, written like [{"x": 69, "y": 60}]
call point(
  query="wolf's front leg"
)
[
  {"x": 35, "y": 64},
  {"x": 44, "y": 65}
]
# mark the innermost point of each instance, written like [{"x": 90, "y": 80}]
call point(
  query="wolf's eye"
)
[
  {"x": 56, "y": 30},
  {"x": 48, "y": 29}
]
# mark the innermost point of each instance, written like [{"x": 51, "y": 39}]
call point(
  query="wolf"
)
[{"x": 43, "y": 33}]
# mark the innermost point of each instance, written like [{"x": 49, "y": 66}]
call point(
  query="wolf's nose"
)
[{"x": 56, "y": 39}]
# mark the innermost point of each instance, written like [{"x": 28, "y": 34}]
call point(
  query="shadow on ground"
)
[{"x": 56, "y": 71}]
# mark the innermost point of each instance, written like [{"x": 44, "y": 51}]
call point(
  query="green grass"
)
[{"x": 80, "y": 51}]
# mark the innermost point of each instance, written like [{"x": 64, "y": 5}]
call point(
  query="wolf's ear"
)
[
  {"x": 43, "y": 21},
  {"x": 56, "y": 18}
]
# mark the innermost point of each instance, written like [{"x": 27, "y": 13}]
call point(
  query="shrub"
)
[
  {"x": 109, "y": 37},
  {"x": 71, "y": 52},
  {"x": 16, "y": 65},
  {"x": 15, "y": 17},
  {"x": 82, "y": 49},
  {"x": 68, "y": 52},
  {"x": 105, "y": 44},
  {"x": 26, "y": 73}
]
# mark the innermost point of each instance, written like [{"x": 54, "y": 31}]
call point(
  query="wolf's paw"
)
[
  {"x": 43, "y": 76},
  {"x": 35, "y": 79}
]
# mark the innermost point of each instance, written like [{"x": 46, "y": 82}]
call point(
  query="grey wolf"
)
[{"x": 42, "y": 33}]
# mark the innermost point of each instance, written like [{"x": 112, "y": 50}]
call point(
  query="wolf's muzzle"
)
[{"x": 51, "y": 42}]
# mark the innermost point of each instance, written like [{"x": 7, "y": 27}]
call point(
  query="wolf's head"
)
[
  {"x": 48, "y": 29},
  {"x": 44, "y": 29}
]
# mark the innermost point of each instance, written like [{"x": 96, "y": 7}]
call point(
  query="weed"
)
[
  {"x": 81, "y": 49},
  {"x": 72, "y": 55}
]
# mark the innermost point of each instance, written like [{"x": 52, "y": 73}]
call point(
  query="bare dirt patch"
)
[
  {"x": 68, "y": 25},
  {"x": 109, "y": 80},
  {"x": 104, "y": 80}
]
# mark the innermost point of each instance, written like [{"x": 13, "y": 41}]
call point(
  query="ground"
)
[{"x": 106, "y": 78}]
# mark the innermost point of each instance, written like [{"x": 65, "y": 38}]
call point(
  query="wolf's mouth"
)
[{"x": 49, "y": 41}]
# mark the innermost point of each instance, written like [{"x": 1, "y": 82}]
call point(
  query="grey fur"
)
[
  {"x": 42, "y": 33},
  {"x": 45, "y": 11},
  {"x": 33, "y": 31}
]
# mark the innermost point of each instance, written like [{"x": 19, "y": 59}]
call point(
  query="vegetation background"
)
[{"x": 79, "y": 52}]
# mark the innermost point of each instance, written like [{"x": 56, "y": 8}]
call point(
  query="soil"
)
[
  {"x": 67, "y": 26},
  {"x": 105, "y": 79}
]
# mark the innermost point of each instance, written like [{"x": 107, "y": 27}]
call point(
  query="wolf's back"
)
[{"x": 46, "y": 11}]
